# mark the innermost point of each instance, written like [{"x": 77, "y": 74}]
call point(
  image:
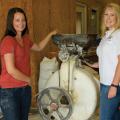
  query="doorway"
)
[{"x": 81, "y": 18}]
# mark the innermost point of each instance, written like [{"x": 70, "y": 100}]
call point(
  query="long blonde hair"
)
[{"x": 116, "y": 8}]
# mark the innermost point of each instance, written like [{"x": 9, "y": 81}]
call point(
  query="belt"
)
[{"x": 22, "y": 87}]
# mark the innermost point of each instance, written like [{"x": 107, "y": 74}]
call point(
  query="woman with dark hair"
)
[{"x": 15, "y": 90}]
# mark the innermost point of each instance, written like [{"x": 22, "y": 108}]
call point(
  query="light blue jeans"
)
[{"x": 109, "y": 107}]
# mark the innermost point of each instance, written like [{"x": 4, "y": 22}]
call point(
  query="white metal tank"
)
[{"x": 82, "y": 85}]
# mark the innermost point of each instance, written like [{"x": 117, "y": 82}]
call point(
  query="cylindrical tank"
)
[{"x": 83, "y": 86}]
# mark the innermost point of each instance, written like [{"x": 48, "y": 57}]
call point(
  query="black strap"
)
[{"x": 113, "y": 85}]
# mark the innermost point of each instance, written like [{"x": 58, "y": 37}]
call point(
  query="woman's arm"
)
[
  {"x": 116, "y": 81},
  {"x": 12, "y": 70},
  {"x": 94, "y": 65},
  {"x": 44, "y": 42}
]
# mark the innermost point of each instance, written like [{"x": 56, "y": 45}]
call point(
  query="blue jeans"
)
[
  {"x": 15, "y": 102},
  {"x": 109, "y": 107}
]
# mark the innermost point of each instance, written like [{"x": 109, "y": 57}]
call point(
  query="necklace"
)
[{"x": 110, "y": 36}]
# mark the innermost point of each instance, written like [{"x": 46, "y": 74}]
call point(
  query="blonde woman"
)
[{"x": 108, "y": 53}]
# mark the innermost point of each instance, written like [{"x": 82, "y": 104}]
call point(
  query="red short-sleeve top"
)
[{"x": 21, "y": 58}]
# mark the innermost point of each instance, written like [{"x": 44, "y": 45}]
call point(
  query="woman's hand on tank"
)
[
  {"x": 54, "y": 32},
  {"x": 94, "y": 65}
]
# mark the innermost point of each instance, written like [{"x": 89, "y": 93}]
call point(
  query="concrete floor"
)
[
  {"x": 34, "y": 115},
  {"x": 37, "y": 117}
]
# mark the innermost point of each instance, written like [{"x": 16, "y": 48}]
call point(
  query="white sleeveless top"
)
[{"x": 108, "y": 51}]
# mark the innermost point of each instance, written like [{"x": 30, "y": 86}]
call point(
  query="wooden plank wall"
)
[
  {"x": 51, "y": 14},
  {"x": 44, "y": 16},
  {"x": 55, "y": 14}
]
